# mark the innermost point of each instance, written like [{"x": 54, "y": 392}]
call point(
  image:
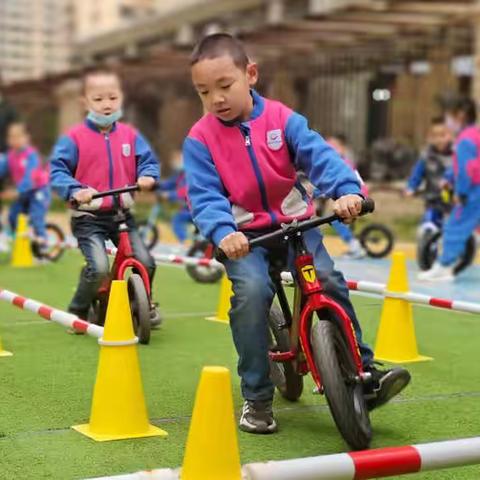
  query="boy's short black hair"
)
[
  {"x": 218, "y": 45},
  {"x": 98, "y": 70},
  {"x": 438, "y": 120},
  {"x": 465, "y": 105}
]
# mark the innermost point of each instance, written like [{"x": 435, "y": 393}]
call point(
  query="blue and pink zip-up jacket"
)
[
  {"x": 25, "y": 168},
  {"x": 243, "y": 175},
  {"x": 86, "y": 157},
  {"x": 466, "y": 160}
]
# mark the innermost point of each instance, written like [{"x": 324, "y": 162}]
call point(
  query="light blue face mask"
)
[{"x": 103, "y": 121}]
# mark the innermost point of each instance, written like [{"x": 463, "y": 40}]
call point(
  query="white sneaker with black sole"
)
[{"x": 257, "y": 417}]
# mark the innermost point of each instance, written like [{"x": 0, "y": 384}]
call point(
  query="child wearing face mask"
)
[{"x": 101, "y": 154}]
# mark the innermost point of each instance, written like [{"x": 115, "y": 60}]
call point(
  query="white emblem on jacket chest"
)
[
  {"x": 126, "y": 149},
  {"x": 274, "y": 139}
]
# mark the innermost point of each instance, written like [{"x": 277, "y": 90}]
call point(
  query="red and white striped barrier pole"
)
[
  {"x": 379, "y": 463},
  {"x": 49, "y": 313},
  {"x": 418, "y": 298}
]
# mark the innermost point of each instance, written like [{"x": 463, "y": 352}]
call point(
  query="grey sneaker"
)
[
  {"x": 385, "y": 385},
  {"x": 257, "y": 417}
]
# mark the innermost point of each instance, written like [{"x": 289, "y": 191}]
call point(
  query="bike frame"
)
[
  {"x": 124, "y": 258},
  {"x": 308, "y": 300}
]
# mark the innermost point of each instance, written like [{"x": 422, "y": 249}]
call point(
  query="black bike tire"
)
[
  {"x": 426, "y": 254},
  {"x": 202, "y": 274},
  {"x": 37, "y": 253},
  {"x": 465, "y": 260},
  {"x": 153, "y": 230},
  {"x": 372, "y": 227},
  {"x": 331, "y": 354},
  {"x": 140, "y": 308},
  {"x": 287, "y": 381}
]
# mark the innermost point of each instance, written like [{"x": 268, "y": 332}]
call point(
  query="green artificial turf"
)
[{"x": 46, "y": 386}]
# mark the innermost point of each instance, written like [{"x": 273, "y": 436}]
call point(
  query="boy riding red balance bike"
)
[
  {"x": 327, "y": 348},
  {"x": 125, "y": 266}
]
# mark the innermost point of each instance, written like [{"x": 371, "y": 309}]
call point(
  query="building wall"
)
[
  {"x": 94, "y": 17},
  {"x": 35, "y": 38}
]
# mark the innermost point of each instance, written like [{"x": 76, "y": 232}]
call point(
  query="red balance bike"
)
[
  {"x": 125, "y": 266},
  {"x": 325, "y": 346}
]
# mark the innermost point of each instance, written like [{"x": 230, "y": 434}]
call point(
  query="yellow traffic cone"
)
[
  {"x": 396, "y": 340},
  {"x": 223, "y": 308},
  {"x": 22, "y": 253},
  {"x": 4, "y": 353},
  {"x": 212, "y": 446},
  {"x": 118, "y": 405}
]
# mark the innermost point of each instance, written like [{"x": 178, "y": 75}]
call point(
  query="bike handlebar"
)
[
  {"x": 114, "y": 191},
  {"x": 368, "y": 206}
]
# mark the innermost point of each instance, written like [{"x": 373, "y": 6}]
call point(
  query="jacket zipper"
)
[
  {"x": 261, "y": 183},
  {"x": 110, "y": 164}
]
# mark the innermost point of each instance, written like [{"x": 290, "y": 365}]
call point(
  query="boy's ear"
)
[{"x": 252, "y": 73}]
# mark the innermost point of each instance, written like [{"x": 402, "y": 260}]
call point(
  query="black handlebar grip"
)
[
  {"x": 368, "y": 206},
  {"x": 219, "y": 255}
]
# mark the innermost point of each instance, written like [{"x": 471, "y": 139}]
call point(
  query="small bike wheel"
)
[
  {"x": 54, "y": 247},
  {"x": 344, "y": 394},
  {"x": 148, "y": 233},
  {"x": 140, "y": 307},
  {"x": 283, "y": 375},
  {"x": 465, "y": 260},
  {"x": 427, "y": 250},
  {"x": 201, "y": 273},
  {"x": 377, "y": 240}
]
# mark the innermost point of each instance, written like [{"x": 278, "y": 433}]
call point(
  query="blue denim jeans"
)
[
  {"x": 253, "y": 295},
  {"x": 91, "y": 234}
]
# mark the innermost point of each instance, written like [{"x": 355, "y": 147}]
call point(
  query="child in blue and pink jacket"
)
[
  {"x": 23, "y": 164},
  {"x": 101, "y": 154},
  {"x": 174, "y": 189},
  {"x": 241, "y": 160},
  {"x": 465, "y": 216}
]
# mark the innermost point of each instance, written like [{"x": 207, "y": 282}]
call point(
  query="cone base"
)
[
  {"x": 217, "y": 319},
  {"x": 4, "y": 353},
  {"x": 419, "y": 358},
  {"x": 86, "y": 430},
  {"x": 16, "y": 265}
]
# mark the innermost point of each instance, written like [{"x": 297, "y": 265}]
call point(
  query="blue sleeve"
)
[
  {"x": 26, "y": 183},
  {"x": 417, "y": 175},
  {"x": 3, "y": 165},
  {"x": 147, "y": 162},
  {"x": 466, "y": 151},
  {"x": 63, "y": 163},
  {"x": 320, "y": 162},
  {"x": 211, "y": 209},
  {"x": 169, "y": 185},
  {"x": 449, "y": 175}
]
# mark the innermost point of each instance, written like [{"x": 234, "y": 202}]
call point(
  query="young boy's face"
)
[
  {"x": 224, "y": 88},
  {"x": 17, "y": 137},
  {"x": 440, "y": 137},
  {"x": 103, "y": 93}
]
